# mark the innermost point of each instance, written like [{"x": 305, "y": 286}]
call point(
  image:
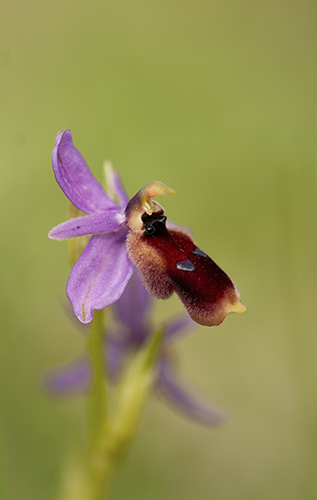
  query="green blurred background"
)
[{"x": 217, "y": 99}]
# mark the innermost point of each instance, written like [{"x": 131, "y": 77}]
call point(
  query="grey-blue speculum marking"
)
[{"x": 185, "y": 265}]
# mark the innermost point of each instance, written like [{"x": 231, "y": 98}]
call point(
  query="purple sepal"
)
[
  {"x": 184, "y": 399},
  {"x": 71, "y": 379},
  {"x": 105, "y": 222},
  {"x": 75, "y": 179},
  {"x": 100, "y": 276}
]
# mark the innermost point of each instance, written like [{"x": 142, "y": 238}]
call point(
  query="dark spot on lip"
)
[
  {"x": 197, "y": 251},
  {"x": 185, "y": 265}
]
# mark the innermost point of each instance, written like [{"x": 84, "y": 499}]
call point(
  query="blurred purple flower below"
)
[{"x": 132, "y": 310}]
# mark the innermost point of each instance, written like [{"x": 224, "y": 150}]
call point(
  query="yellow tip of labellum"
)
[{"x": 237, "y": 307}]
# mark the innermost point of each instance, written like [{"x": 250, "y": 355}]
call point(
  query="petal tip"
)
[
  {"x": 85, "y": 317},
  {"x": 60, "y": 133},
  {"x": 83, "y": 312},
  {"x": 50, "y": 234},
  {"x": 86, "y": 314}
]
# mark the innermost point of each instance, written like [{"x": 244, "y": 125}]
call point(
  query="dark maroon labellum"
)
[{"x": 168, "y": 260}]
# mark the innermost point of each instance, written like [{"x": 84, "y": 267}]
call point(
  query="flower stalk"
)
[
  {"x": 97, "y": 402},
  {"x": 112, "y": 436}
]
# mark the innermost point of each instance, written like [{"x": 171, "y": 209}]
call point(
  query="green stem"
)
[
  {"x": 110, "y": 438},
  {"x": 118, "y": 433},
  {"x": 97, "y": 402}
]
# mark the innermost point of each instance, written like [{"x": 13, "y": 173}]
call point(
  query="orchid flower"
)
[
  {"x": 133, "y": 232},
  {"x": 121, "y": 342}
]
